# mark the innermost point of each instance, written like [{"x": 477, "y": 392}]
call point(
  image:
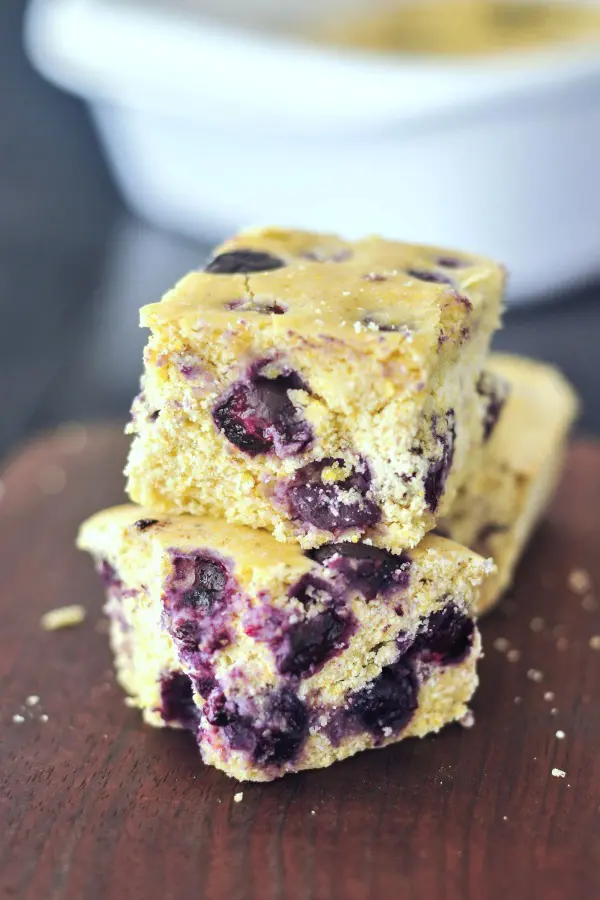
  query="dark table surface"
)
[
  {"x": 95, "y": 805},
  {"x": 75, "y": 267}
]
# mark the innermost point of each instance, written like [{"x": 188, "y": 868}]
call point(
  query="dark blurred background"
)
[{"x": 75, "y": 266}]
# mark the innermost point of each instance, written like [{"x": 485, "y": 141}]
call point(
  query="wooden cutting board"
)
[{"x": 96, "y": 806}]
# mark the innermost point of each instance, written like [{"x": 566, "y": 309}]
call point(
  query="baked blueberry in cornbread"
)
[
  {"x": 279, "y": 659},
  {"x": 324, "y": 390}
]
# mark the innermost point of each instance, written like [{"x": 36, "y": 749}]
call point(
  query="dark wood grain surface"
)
[{"x": 96, "y": 806}]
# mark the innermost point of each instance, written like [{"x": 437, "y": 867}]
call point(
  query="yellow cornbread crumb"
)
[{"x": 63, "y": 617}]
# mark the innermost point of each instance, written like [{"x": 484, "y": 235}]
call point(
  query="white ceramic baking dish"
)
[{"x": 211, "y": 125}]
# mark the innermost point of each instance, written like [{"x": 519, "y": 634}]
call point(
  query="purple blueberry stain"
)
[
  {"x": 243, "y": 261},
  {"x": 445, "y": 638},
  {"x": 333, "y": 506},
  {"x": 255, "y": 305},
  {"x": 177, "y": 700},
  {"x": 430, "y": 276},
  {"x": 257, "y": 415},
  {"x": 439, "y": 468},
  {"x": 494, "y": 392},
  {"x": 108, "y": 575},
  {"x": 368, "y": 569}
]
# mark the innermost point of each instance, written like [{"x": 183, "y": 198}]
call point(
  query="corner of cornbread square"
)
[
  {"x": 322, "y": 389},
  {"x": 279, "y": 659}
]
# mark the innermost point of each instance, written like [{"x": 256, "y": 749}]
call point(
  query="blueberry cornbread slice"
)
[
  {"x": 504, "y": 497},
  {"x": 295, "y": 659},
  {"x": 322, "y": 389}
]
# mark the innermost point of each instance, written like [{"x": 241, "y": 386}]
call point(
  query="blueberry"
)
[
  {"x": 451, "y": 262},
  {"x": 308, "y": 644},
  {"x": 209, "y": 583},
  {"x": 388, "y": 702},
  {"x": 494, "y": 393},
  {"x": 439, "y": 469},
  {"x": 272, "y": 739},
  {"x": 370, "y": 570},
  {"x": 233, "y": 416},
  {"x": 143, "y": 524},
  {"x": 177, "y": 700},
  {"x": 428, "y": 275},
  {"x": 236, "y": 262},
  {"x": 332, "y": 506},
  {"x": 257, "y": 416},
  {"x": 445, "y": 638},
  {"x": 285, "y": 729}
]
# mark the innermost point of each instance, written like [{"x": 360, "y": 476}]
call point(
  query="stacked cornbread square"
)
[{"x": 310, "y": 409}]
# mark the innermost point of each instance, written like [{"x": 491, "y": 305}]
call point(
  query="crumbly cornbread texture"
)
[
  {"x": 511, "y": 483},
  {"x": 279, "y": 659},
  {"x": 322, "y": 389}
]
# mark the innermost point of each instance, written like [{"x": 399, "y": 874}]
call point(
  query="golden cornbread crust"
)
[{"x": 385, "y": 366}]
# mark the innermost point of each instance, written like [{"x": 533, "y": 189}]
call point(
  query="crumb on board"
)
[
  {"x": 554, "y": 711},
  {"x": 63, "y": 617},
  {"x": 513, "y": 655},
  {"x": 560, "y": 734},
  {"x": 595, "y": 642},
  {"x": 537, "y": 624},
  {"x": 468, "y": 720},
  {"x": 43, "y": 717},
  {"x": 579, "y": 581},
  {"x": 18, "y": 719},
  {"x": 313, "y": 812},
  {"x": 562, "y": 644},
  {"x": 535, "y": 675},
  {"x": 238, "y": 797},
  {"x": 32, "y": 700},
  {"x": 501, "y": 644},
  {"x": 549, "y": 696},
  {"x": 518, "y": 700},
  {"x": 558, "y": 773}
]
